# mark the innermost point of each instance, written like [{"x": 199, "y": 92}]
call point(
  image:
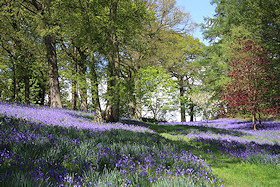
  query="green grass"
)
[{"x": 233, "y": 171}]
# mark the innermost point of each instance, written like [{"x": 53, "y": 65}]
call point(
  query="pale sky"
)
[{"x": 198, "y": 9}]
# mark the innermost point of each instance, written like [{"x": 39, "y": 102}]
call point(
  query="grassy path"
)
[{"x": 233, "y": 171}]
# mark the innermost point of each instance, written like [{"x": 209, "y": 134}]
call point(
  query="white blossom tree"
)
[{"x": 206, "y": 103}]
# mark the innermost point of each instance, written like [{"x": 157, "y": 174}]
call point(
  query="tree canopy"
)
[{"x": 118, "y": 57}]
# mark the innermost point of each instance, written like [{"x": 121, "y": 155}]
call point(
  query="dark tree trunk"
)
[
  {"x": 254, "y": 121},
  {"x": 49, "y": 98},
  {"x": 260, "y": 120},
  {"x": 83, "y": 82},
  {"x": 74, "y": 95},
  {"x": 42, "y": 94},
  {"x": 26, "y": 90},
  {"x": 15, "y": 82},
  {"x": 50, "y": 43},
  {"x": 42, "y": 85},
  {"x": 95, "y": 94},
  {"x": 113, "y": 100},
  {"x": 74, "y": 81},
  {"x": 182, "y": 104},
  {"x": 182, "y": 98},
  {"x": 192, "y": 112}
]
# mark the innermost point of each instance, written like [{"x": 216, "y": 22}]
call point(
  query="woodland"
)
[
  {"x": 143, "y": 54},
  {"x": 87, "y": 88}
]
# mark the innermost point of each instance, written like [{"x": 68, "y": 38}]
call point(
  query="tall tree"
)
[
  {"x": 112, "y": 108},
  {"x": 164, "y": 19},
  {"x": 18, "y": 41},
  {"x": 126, "y": 20},
  {"x": 257, "y": 18},
  {"x": 157, "y": 89},
  {"x": 44, "y": 13},
  {"x": 181, "y": 60},
  {"x": 250, "y": 82}
]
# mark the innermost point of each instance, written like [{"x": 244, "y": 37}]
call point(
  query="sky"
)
[{"x": 198, "y": 9}]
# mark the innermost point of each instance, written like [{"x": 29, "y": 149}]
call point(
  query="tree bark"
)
[
  {"x": 113, "y": 100},
  {"x": 254, "y": 121},
  {"x": 74, "y": 84},
  {"x": 50, "y": 43},
  {"x": 131, "y": 96},
  {"x": 138, "y": 103},
  {"x": 191, "y": 112},
  {"x": 42, "y": 94},
  {"x": 95, "y": 94},
  {"x": 83, "y": 82},
  {"x": 15, "y": 82},
  {"x": 260, "y": 123},
  {"x": 182, "y": 100},
  {"x": 26, "y": 89}
]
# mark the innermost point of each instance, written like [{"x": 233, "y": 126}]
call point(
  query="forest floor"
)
[{"x": 41, "y": 146}]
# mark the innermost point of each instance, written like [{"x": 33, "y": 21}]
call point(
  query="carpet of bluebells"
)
[
  {"x": 41, "y": 146},
  {"x": 237, "y": 139}
]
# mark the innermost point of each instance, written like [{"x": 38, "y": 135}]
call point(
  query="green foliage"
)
[
  {"x": 157, "y": 88},
  {"x": 237, "y": 19}
]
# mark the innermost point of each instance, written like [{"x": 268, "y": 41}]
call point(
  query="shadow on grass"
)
[
  {"x": 81, "y": 116},
  {"x": 186, "y": 129},
  {"x": 51, "y": 153},
  {"x": 265, "y": 125}
]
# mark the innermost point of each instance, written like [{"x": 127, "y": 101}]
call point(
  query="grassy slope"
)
[
  {"x": 53, "y": 153},
  {"x": 232, "y": 171}
]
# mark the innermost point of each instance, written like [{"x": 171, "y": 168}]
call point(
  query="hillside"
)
[{"x": 42, "y": 146}]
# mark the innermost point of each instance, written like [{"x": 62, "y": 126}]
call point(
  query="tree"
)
[
  {"x": 44, "y": 14},
  {"x": 164, "y": 20},
  {"x": 248, "y": 91},
  {"x": 206, "y": 103},
  {"x": 257, "y": 19},
  {"x": 125, "y": 21},
  {"x": 21, "y": 45},
  {"x": 157, "y": 89},
  {"x": 181, "y": 61}
]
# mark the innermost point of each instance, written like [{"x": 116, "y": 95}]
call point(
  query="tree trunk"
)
[
  {"x": 83, "y": 82},
  {"x": 138, "y": 103},
  {"x": 74, "y": 95},
  {"x": 49, "y": 98},
  {"x": 260, "y": 123},
  {"x": 26, "y": 89},
  {"x": 95, "y": 94},
  {"x": 138, "y": 108},
  {"x": 131, "y": 104},
  {"x": 50, "y": 43},
  {"x": 42, "y": 85},
  {"x": 15, "y": 82},
  {"x": 191, "y": 112},
  {"x": 74, "y": 82},
  {"x": 182, "y": 104},
  {"x": 42, "y": 94},
  {"x": 254, "y": 121},
  {"x": 112, "y": 108},
  {"x": 131, "y": 96},
  {"x": 137, "y": 98}
]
